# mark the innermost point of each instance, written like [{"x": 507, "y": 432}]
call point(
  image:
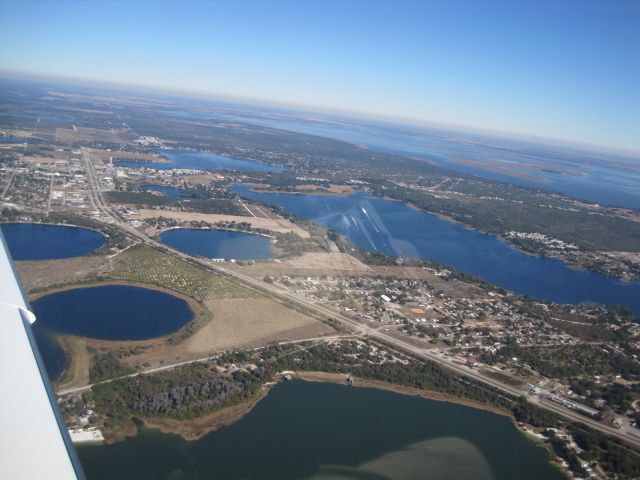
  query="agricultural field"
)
[{"x": 145, "y": 264}]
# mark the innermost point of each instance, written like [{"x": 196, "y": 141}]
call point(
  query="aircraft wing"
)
[{"x": 34, "y": 440}]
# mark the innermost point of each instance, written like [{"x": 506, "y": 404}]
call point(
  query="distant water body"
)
[
  {"x": 110, "y": 312},
  {"x": 201, "y": 160},
  {"x": 393, "y": 228},
  {"x": 612, "y": 179},
  {"x": 218, "y": 243},
  {"x": 305, "y": 430},
  {"x": 34, "y": 241}
]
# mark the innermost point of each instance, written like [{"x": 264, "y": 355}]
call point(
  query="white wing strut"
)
[{"x": 34, "y": 442}]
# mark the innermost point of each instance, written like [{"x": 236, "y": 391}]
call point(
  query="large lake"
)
[
  {"x": 110, "y": 312},
  {"x": 377, "y": 224},
  {"x": 34, "y": 241},
  {"x": 218, "y": 243},
  {"x": 325, "y": 431},
  {"x": 601, "y": 177},
  {"x": 201, "y": 160}
]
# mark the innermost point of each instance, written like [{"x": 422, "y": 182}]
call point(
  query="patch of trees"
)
[
  {"x": 566, "y": 361},
  {"x": 107, "y": 365},
  {"x": 221, "y": 206},
  {"x": 187, "y": 392}
]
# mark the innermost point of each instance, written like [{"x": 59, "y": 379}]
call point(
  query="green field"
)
[{"x": 145, "y": 264}]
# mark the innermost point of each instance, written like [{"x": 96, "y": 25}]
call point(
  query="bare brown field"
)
[
  {"x": 237, "y": 324},
  {"x": 322, "y": 260},
  {"x": 251, "y": 322},
  {"x": 204, "y": 179},
  {"x": 313, "y": 263},
  {"x": 274, "y": 224},
  {"x": 42, "y": 274}
]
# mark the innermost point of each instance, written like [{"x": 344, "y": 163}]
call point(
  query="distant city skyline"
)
[{"x": 558, "y": 70}]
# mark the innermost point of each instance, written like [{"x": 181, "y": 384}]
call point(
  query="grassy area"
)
[{"x": 145, "y": 264}]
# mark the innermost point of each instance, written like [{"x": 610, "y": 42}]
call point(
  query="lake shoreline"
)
[
  {"x": 192, "y": 430},
  {"x": 70, "y": 343},
  {"x": 193, "y": 304}
]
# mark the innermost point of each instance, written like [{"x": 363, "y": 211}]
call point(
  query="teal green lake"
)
[{"x": 304, "y": 430}]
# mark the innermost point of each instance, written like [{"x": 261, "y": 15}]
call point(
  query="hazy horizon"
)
[
  {"x": 560, "y": 71},
  {"x": 319, "y": 112}
]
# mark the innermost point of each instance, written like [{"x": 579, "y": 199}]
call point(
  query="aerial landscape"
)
[{"x": 234, "y": 284}]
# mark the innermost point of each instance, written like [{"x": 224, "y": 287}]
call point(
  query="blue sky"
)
[{"x": 560, "y": 69}]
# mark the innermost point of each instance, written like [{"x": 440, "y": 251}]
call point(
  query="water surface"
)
[
  {"x": 112, "y": 312},
  {"x": 202, "y": 161},
  {"x": 597, "y": 176},
  {"x": 35, "y": 241},
  {"x": 304, "y": 430},
  {"x": 391, "y": 227},
  {"x": 218, "y": 243},
  {"x": 166, "y": 190}
]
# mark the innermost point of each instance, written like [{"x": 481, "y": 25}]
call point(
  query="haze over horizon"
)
[{"x": 560, "y": 71}]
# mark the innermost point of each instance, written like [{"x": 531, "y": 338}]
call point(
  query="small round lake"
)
[
  {"x": 218, "y": 243},
  {"x": 166, "y": 190},
  {"x": 112, "y": 312},
  {"x": 34, "y": 241},
  {"x": 305, "y": 430}
]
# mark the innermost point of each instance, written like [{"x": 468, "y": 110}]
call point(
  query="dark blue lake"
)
[
  {"x": 306, "y": 430},
  {"x": 34, "y": 241},
  {"x": 201, "y": 161},
  {"x": 171, "y": 192},
  {"x": 110, "y": 312},
  {"x": 218, "y": 243},
  {"x": 377, "y": 224}
]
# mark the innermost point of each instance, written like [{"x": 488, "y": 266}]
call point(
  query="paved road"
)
[
  {"x": 357, "y": 326},
  {"x": 164, "y": 368}
]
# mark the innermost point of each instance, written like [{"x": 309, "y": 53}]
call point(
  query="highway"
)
[{"x": 360, "y": 327}]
